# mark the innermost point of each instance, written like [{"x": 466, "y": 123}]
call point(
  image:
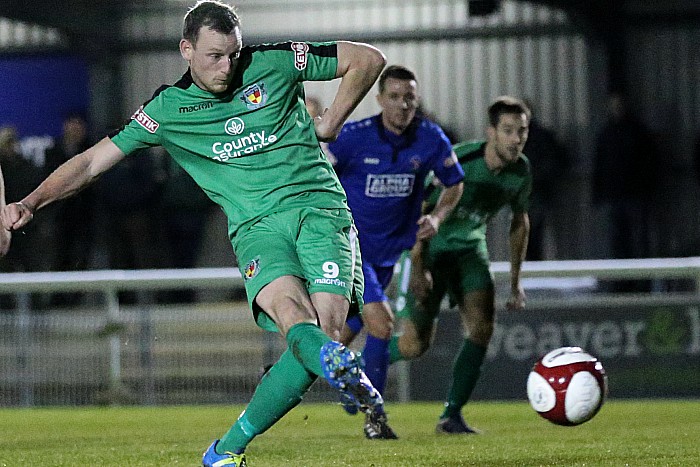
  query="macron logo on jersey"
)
[
  {"x": 143, "y": 119},
  {"x": 389, "y": 185}
]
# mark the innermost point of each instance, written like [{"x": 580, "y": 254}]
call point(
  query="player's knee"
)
[
  {"x": 381, "y": 329},
  {"x": 481, "y": 331},
  {"x": 413, "y": 347},
  {"x": 378, "y": 320}
]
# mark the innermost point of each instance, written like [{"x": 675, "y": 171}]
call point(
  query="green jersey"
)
[
  {"x": 485, "y": 193},
  {"x": 253, "y": 149}
]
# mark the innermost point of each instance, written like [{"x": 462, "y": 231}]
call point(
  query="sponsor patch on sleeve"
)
[
  {"x": 301, "y": 50},
  {"x": 143, "y": 119}
]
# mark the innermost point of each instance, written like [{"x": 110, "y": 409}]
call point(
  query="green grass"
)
[{"x": 625, "y": 433}]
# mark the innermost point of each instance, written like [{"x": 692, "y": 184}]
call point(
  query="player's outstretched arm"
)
[
  {"x": 519, "y": 233},
  {"x": 5, "y": 235},
  {"x": 429, "y": 224},
  {"x": 67, "y": 180},
  {"x": 359, "y": 66}
]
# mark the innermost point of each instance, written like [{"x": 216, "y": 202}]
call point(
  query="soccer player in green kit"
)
[
  {"x": 236, "y": 122},
  {"x": 456, "y": 262}
]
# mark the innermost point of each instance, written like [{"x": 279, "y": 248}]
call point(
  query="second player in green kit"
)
[{"x": 455, "y": 262}]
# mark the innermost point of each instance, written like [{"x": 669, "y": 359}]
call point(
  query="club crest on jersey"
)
[
  {"x": 143, "y": 119},
  {"x": 301, "y": 50},
  {"x": 251, "y": 269},
  {"x": 416, "y": 163},
  {"x": 254, "y": 96}
]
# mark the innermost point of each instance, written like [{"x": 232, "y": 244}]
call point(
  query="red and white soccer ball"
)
[{"x": 567, "y": 386}]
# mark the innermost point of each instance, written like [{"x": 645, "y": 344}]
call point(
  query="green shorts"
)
[
  {"x": 319, "y": 246},
  {"x": 455, "y": 274},
  {"x": 460, "y": 272}
]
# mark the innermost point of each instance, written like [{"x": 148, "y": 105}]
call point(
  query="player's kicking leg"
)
[{"x": 311, "y": 353}]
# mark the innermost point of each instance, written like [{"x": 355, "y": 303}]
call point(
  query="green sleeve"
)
[
  {"x": 141, "y": 132},
  {"x": 316, "y": 61}
]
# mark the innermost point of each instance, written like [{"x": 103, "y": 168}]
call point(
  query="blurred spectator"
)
[
  {"x": 624, "y": 181},
  {"x": 73, "y": 218},
  {"x": 29, "y": 248},
  {"x": 549, "y": 163},
  {"x": 695, "y": 247},
  {"x": 185, "y": 209},
  {"x": 21, "y": 177},
  {"x": 128, "y": 198},
  {"x": 696, "y": 158}
]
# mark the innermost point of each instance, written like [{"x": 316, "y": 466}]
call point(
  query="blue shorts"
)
[{"x": 377, "y": 279}]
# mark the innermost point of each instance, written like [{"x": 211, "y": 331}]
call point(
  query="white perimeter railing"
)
[{"x": 111, "y": 282}]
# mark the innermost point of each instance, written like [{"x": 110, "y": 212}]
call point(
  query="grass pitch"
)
[{"x": 625, "y": 433}]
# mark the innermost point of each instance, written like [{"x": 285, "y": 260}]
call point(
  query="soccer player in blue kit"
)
[{"x": 382, "y": 163}]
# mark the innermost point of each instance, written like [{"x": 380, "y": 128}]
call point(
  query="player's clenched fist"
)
[{"x": 15, "y": 216}]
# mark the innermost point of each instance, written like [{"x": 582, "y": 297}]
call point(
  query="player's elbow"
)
[
  {"x": 377, "y": 60},
  {"x": 369, "y": 59}
]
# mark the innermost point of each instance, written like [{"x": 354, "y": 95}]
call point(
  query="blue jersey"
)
[{"x": 383, "y": 175}]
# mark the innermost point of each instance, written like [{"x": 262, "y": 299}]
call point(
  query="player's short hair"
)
[
  {"x": 507, "y": 105},
  {"x": 396, "y": 72},
  {"x": 213, "y": 14}
]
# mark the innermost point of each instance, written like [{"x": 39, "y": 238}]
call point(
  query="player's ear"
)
[
  {"x": 490, "y": 132},
  {"x": 186, "y": 49}
]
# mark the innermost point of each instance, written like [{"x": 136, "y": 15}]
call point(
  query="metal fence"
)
[
  {"x": 206, "y": 352},
  {"x": 145, "y": 354}
]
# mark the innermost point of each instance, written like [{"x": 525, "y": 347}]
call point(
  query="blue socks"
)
[
  {"x": 355, "y": 324},
  {"x": 376, "y": 356}
]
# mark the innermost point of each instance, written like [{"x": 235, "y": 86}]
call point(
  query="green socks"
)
[
  {"x": 305, "y": 341},
  {"x": 465, "y": 374},
  {"x": 279, "y": 391},
  {"x": 282, "y": 387}
]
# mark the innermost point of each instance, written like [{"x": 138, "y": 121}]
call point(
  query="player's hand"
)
[
  {"x": 420, "y": 283},
  {"x": 517, "y": 299},
  {"x": 15, "y": 216},
  {"x": 427, "y": 227},
  {"x": 325, "y": 132}
]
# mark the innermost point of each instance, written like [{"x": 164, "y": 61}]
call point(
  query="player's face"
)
[
  {"x": 509, "y": 136},
  {"x": 399, "y": 101},
  {"x": 213, "y": 58}
]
